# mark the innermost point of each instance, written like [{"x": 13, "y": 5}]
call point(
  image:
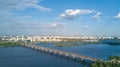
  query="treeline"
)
[
  {"x": 9, "y": 44},
  {"x": 114, "y": 61}
]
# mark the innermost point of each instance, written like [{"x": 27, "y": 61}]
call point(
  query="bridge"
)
[{"x": 62, "y": 53}]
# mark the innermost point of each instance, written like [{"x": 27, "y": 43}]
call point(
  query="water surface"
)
[
  {"x": 101, "y": 51},
  {"x": 25, "y": 57}
]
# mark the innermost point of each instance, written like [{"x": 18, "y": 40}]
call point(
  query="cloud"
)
[
  {"x": 97, "y": 15},
  {"x": 51, "y": 25},
  {"x": 118, "y": 16},
  {"x": 8, "y": 10},
  {"x": 85, "y": 27},
  {"x": 42, "y": 25},
  {"x": 71, "y": 14},
  {"x": 7, "y": 5},
  {"x": 56, "y": 24}
]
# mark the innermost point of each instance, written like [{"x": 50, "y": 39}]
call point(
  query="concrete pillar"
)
[
  {"x": 74, "y": 57},
  {"x": 60, "y": 53},
  {"x": 36, "y": 48},
  {"x": 43, "y": 49},
  {"x": 50, "y": 51},
  {"x": 32, "y": 47},
  {"x": 28, "y": 46},
  {"x": 66, "y": 54},
  {"x": 46, "y": 50},
  {"x": 39, "y": 48},
  {"x": 55, "y": 52},
  {"x": 82, "y": 59},
  {"x": 93, "y": 61}
]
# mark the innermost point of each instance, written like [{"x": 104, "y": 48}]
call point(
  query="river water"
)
[{"x": 25, "y": 57}]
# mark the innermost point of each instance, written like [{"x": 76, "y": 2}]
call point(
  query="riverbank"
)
[
  {"x": 9, "y": 44},
  {"x": 114, "y": 61}
]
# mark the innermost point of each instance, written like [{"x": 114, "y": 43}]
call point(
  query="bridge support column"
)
[
  {"x": 67, "y": 56},
  {"x": 42, "y": 49},
  {"x": 55, "y": 52},
  {"x": 50, "y": 51},
  {"x": 39, "y": 48},
  {"x": 93, "y": 62},
  {"x": 32, "y": 47},
  {"x": 46, "y": 50},
  {"x": 74, "y": 57},
  {"x": 60, "y": 53},
  {"x": 35, "y": 47},
  {"x": 83, "y": 60}
]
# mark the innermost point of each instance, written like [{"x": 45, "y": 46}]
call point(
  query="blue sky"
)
[{"x": 60, "y": 17}]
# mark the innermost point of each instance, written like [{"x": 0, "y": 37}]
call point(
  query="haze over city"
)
[{"x": 60, "y": 17}]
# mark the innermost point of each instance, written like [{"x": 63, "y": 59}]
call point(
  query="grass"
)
[
  {"x": 9, "y": 44},
  {"x": 114, "y": 57},
  {"x": 114, "y": 61}
]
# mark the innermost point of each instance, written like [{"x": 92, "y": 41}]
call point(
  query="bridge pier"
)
[
  {"x": 83, "y": 60},
  {"x": 67, "y": 56},
  {"x": 39, "y": 48},
  {"x": 27, "y": 46},
  {"x": 42, "y": 49},
  {"x": 74, "y": 57},
  {"x": 46, "y": 50},
  {"x": 36, "y": 48},
  {"x": 32, "y": 47},
  {"x": 55, "y": 52},
  {"x": 60, "y": 53},
  {"x": 50, "y": 51}
]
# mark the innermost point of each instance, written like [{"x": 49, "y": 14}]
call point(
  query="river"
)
[{"x": 25, "y": 57}]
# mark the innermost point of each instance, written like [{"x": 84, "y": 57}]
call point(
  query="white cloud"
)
[
  {"x": 21, "y": 4},
  {"x": 118, "y": 16},
  {"x": 8, "y": 8},
  {"x": 71, "y": 14},
  {"x": 22, "y": 25},
  {"x": 43, "y": 25},
  {"x": 56, "y": 24},
  {"x": 97, "y": 15},
  {"x": 51, "y": 25},
  {"x": 85, "y": 27}
]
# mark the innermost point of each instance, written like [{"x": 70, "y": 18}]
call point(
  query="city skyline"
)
[{"x": 60, "y": 17}]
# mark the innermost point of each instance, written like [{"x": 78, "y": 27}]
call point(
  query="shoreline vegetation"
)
[
  {"x": 114, "y": 61},
  {"x": 9, "y": 44},
  {"x": 86, "y": 42},
  {"x": 58, "y": 44}
]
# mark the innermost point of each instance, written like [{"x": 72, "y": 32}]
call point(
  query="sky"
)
[{"x": 60, "y": 17}]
